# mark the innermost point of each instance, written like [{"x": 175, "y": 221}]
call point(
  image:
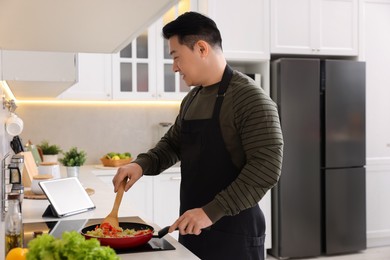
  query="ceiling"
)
[{"x": 90, "y": 26}]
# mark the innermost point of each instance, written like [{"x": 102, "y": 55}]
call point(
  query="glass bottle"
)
[{"x": 13, "y": 224}]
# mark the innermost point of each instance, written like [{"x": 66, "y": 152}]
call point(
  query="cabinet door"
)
[
  {"x": 94, "y": 78},
  {"x": 134, "y": 68},
  {"x": 291, "y": 26},
  {"x": 170, "y": 85},
  {"x": 166, "y": 199},
  {"x": 243, "y": 38},
  {"x": 143, "y": 69},
  {"x": 337, "y": 27},
  {"x": 139, "y": 197},
  {"x": 315, "y": 27}
]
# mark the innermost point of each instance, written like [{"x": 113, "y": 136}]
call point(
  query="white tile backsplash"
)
[{"x": 96, "y": 129}]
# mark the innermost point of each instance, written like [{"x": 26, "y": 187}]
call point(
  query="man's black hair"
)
[{"x": 191, "y": 27}]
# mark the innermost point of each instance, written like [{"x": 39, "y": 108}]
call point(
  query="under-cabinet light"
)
[
  {"x": 151, "y": 103},
  {"x": 7, "y": 90},
  {"x": 106, "y": 103}
]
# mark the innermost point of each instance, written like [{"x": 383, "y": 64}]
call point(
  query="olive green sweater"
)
[{"x": 252, "y": 134}]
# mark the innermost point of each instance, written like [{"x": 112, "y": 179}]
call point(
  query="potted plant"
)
[
  {"x": 72, "y": 160},
  {"x": 49, "y": 151}
]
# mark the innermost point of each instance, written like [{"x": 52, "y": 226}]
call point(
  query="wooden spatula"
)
[{"x": 112, "y": 218}]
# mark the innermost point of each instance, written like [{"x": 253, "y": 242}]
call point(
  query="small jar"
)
[
  {"x": 50, "y": 168},
  {"x": 35, "y": 188}
]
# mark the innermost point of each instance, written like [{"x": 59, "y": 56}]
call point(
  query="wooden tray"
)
[
  {"x": 28, "y": 194},
  {"x": 114, "y": 163}
]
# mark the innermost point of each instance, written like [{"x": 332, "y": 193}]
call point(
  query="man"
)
[{"x": 228, "y": 138}]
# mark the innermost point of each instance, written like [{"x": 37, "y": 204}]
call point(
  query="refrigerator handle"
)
[{"x": 322, "y": 76}]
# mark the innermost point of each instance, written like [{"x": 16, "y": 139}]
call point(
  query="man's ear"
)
[{"x": 203, "y": 48}]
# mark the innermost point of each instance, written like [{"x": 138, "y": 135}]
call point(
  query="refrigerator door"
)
[
  {"x": 296, "y": 200},
  {"x": 345, "y": 210},
  {"x": 344, "y": 85}
]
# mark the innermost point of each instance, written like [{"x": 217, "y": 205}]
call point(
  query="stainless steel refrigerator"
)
[{"x": 319, "y": 204}]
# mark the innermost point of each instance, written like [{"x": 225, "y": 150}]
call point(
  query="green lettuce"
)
[{"x": 72, "y": 246}]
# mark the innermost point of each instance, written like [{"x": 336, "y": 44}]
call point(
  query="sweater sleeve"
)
[
  {"x": 164, "y": 154},
  {"x": 257, "y": 123}
]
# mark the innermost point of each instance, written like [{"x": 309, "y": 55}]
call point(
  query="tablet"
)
[
  {"x": 67, "y": 225},
  {"x": 66, "y": 196}
]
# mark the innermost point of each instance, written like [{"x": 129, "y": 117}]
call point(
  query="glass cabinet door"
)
[
  {"x": 143, "y": 69},
  {"x": 135, "y": 63},
  {"x": 170, "y": 85}
]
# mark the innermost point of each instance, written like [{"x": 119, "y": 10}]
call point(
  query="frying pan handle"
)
[{"x": 164, "y": 231}]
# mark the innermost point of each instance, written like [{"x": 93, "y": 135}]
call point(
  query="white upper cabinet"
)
[
  {"x": 38, "y": 75},
  {"x": 315, "y": 27},
  {"x": 134, "y": 69},
  {"x": 95, "y": 78},
  {"x": 170, "y": 85},
  {"x": 143, "y": 69},
  {"x": 244, "y": 27}
]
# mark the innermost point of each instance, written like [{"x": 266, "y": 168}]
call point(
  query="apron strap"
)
[
  {"x": 227, "y": 76},
  {"x": 223, "y": 85}
]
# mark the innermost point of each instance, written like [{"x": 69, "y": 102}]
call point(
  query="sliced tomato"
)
[
  {"x": 110, "y": 231},
  {"x": 142, "y": 232}
]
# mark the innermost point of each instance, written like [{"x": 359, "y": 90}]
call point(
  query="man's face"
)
[{"x": 185, "y": 61}]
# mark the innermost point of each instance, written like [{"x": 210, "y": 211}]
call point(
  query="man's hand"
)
[
  {"x": 191, "y": 222},
  {"x": 130, "y": 171}
]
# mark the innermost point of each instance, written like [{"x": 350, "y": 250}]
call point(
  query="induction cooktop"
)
[{"x": 56, "y": 228}]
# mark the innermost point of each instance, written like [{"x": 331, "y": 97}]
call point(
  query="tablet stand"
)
[{"x": 50, "y": 212}]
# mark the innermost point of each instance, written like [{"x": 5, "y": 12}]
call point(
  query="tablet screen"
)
[
  {"x": 67, "y": 225},
  {"x": 67, "y": 196}
]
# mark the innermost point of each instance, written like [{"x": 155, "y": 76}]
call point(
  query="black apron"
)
[{"x": 207, "y": 169}]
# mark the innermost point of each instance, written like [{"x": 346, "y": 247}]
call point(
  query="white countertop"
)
[{"x": 103, "y": 198}]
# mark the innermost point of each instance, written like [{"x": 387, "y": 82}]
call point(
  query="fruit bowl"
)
[{"x": 114, "y": 163}]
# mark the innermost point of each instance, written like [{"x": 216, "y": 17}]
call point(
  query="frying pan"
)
[{"x": 126, "y": 242}]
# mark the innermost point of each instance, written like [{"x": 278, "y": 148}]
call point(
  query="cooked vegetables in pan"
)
[{"x": 107, "y": 231}]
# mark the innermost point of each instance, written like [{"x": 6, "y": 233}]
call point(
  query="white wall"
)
[{"x": 374, "y": 48}]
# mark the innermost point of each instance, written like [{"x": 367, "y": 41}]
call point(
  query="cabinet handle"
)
[{"x": 175, "y": 178}]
